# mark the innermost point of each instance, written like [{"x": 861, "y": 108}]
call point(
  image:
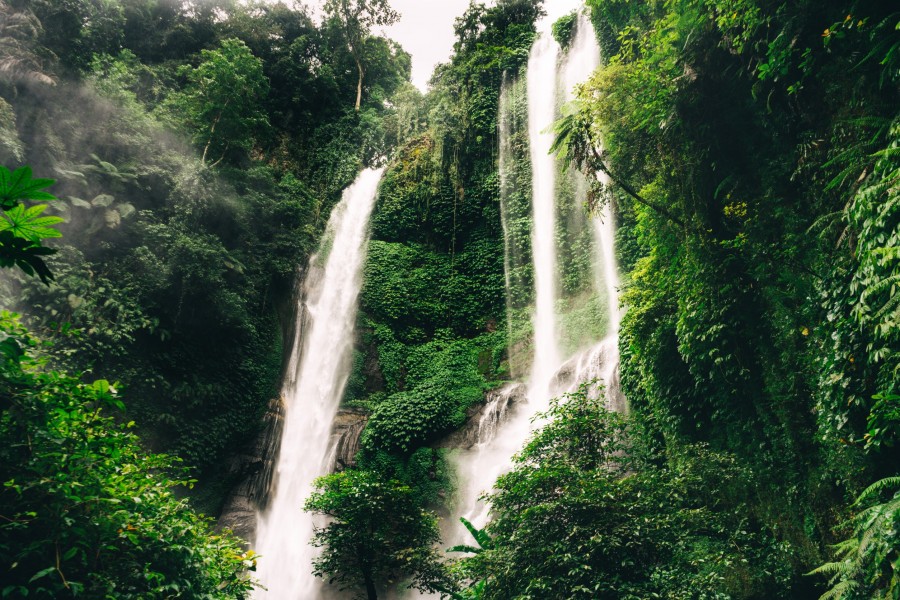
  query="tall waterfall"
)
[
  {"x": 584, "y": 58},
  {"x": 506, "y": 422},
  {"x": 542, "y": 64},
  {"x": 317, "y": 374}
]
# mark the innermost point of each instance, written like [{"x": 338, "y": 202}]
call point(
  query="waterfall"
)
[
  {"x": 317, "y": 374},
  {"x": 541, "y": 115},
  {"x": 508, "y": 413},
  {"x": 584, "y": 58}
]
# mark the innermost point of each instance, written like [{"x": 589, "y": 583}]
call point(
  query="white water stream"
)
[
  {"x": 583, "y": 60},
  {"x": 542, "y": 65},
  {"x": 317, "y": 374},
  {"x": 506, "y": 421}
]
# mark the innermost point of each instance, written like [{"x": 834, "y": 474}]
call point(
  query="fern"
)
[
  {"x": 867, "y": 567},
  {"x": 878, "y": 487}
]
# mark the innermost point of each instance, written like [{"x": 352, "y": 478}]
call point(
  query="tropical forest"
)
[{"x": 450, "y": 299}]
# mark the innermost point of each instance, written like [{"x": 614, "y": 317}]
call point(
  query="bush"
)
[{"x": 87, "y": 512}]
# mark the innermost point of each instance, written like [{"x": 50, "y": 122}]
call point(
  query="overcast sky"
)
[{"x": 425, "y": 30}]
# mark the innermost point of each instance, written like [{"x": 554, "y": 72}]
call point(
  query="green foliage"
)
[
  {"x": 426, "y": 471},
  {"x": 23, "y": 229},
  {"x": 872, "y": 216},
  {"x": 442, "y": 380},
  {"x": 588, "y": 513},
  {"x": 867, "y": 562},
  {"x": 563, "y": 28},
  {"x": 407, "y": 420},
  {"x": 221, "y": 119},
  {"x": 378, "y": 533},
  {"x": 73, "y": 31},
  {"x": 87, "y": 512}
]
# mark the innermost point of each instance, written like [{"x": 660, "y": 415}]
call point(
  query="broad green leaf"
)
[
  {"x": 27, "y": 223},
  {"x": 19, "y": 185},
  {"x": 42, "y": 573}
]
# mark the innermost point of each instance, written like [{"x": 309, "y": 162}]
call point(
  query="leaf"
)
[
  {"x": 19, "y": 185},
  {"x": 103, "y": 200},
  {"x": 79, "y": 202},
  {"x": 26, "y": 223},
  {"x": 101, "y": 386},
  {"x": 877, "y": 487},
  {"x": 25, "y": 254},
  {"x": 41, "y": 573},
  {"x": 10, "y": 349}
]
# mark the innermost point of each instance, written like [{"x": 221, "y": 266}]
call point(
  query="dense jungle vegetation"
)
[{"x": 753, "y": 150}]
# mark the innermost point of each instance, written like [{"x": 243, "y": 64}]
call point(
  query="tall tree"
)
[
  {"x": 357, "y": 17},
  {"x": 224, "y": 100}
]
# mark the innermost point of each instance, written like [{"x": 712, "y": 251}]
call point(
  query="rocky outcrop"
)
[
  {"x": 345, "y": 433},
  {"x": 254, "y": 468}
]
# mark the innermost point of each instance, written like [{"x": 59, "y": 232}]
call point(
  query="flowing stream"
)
[{"x": 317, "y": 374}]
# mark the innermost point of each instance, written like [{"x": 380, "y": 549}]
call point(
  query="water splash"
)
[{"x": 317, "y": 374}]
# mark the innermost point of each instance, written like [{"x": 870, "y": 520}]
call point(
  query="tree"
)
[
  {"x": 589, "y": 512},
  {"x": 224, "y": 101},
  {"x": 20, "y": 56},
  {"x": 357, "y": 17},
  {"x": 378, "y": 533}
]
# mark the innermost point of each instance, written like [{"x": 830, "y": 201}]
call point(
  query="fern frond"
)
[
  {"x": 830, "y": 568},
  {"x": 877, "y": 487},
  {"x": 880, "y": 286},
  {"x": 839, "y": 591},
  {"x": 888, "y": 307}
]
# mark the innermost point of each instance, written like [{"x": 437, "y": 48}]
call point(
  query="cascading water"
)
[
  {"x": 317, "y": 374},
  {"x": 603, "y": 359},
  {"x": 479, "y": 466},
  {"x": 541, "y": 115},
  {"x": 583, "y": 60}
]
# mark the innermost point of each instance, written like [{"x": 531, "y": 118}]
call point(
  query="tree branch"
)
[{"x": 601, "y": 165}]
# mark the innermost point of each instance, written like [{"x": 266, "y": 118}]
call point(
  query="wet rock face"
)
[
  {"x": 345, "y": 433},
  {"x": 254, "y": 468},
  {"x": 484, "y": 419}
]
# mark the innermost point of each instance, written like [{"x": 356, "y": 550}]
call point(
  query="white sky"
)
[{"x": 425, "y": 30}]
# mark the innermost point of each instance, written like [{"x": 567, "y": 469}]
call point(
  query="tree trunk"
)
[
  {"x": 370, "y": 586},
  {"x": 362, "y": 74}
]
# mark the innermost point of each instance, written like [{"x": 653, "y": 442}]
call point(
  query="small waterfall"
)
[
  {"x": 509, "y": 414},
  {"x": 317, "y": 374}
]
